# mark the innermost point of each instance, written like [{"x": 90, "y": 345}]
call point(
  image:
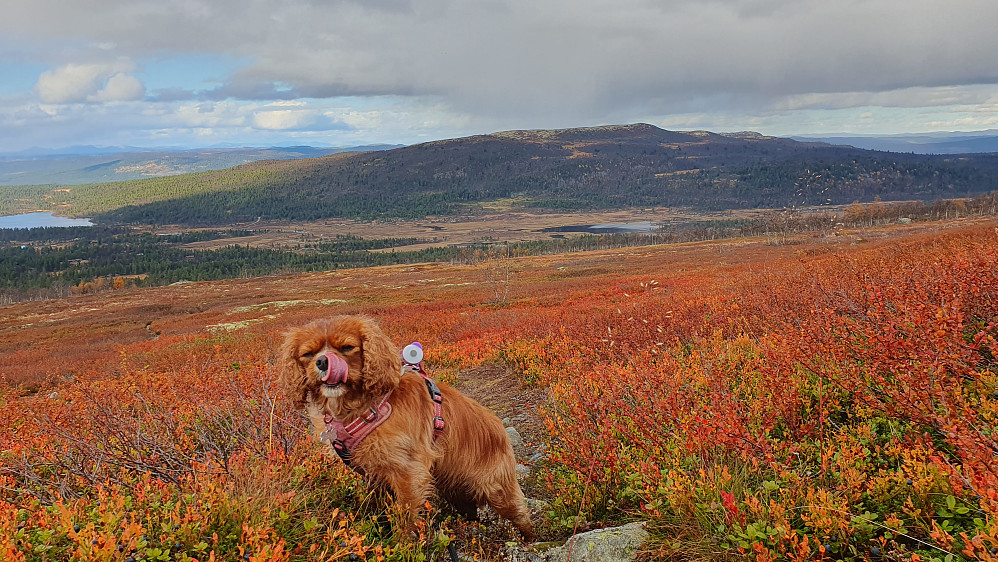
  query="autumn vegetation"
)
[{"x": 829, "y": 395}]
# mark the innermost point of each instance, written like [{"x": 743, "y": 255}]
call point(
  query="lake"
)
[
  {"x": 37, "y": 220},
  {"x": 606, "y": 228}
]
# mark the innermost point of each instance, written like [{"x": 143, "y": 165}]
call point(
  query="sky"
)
[{"x": 198, "y": 73}]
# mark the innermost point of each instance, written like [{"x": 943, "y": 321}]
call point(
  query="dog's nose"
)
[{"x": 322, "y": 363}]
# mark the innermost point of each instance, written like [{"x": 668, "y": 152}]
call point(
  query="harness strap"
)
[
  {"x": 435, "y": 396},
  {"x": 345, "y": 437},
  {"x": 438, "y": 404}
]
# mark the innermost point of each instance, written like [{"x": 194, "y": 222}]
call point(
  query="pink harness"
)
[{"x": 346, "y": 437}]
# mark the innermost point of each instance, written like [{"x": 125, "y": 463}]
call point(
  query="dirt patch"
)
[{"x": 500, "y": 389}]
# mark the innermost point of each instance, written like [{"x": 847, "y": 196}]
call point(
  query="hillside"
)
[
  {"x": 601, "y": 167},
  {"x": 829, "y": 399}
]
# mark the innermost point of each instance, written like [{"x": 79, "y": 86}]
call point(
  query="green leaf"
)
[{"x": 951, "y": 502}]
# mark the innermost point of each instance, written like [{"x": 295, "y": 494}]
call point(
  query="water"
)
[
  {"x": 640, "y": 226},
  {"x": 606, "y": 228},
  {"x": 37, "y": 220}
]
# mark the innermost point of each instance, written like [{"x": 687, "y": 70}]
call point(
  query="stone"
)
[
  {"x": 615, "y": 544},
  {"x": 514, "y": 437},
  {"x": 522, "y": 471},
  {"x": 536, "y": 505}
]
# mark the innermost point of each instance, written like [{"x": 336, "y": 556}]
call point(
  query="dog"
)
[{"x": 343, "y": 368}]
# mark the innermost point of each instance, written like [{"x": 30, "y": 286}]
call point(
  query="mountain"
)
[
  {"x": 88, "y": 164},
  {"x": 597, "y": 167},
  {"x": 927, "y": 143}
]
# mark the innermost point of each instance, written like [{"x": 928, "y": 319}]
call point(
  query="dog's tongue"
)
[{"x": 338, "y": 369}]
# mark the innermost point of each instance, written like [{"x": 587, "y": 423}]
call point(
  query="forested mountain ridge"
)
[{"x": 597, "y": 167}]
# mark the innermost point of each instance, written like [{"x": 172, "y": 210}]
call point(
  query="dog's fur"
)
[{"x": 471, "y": 464}]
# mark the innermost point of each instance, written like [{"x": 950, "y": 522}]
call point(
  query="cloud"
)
[
  {"x": 78, "y": 83},
  {"x": 283, "y": 119},
  {"x": 68, "y": 83},
  {"x": 435, "y": 68},
  {"x": 121, "y": 87},
  {"x": 555, "y": 59},
  {"x": 905, "y": 97}
]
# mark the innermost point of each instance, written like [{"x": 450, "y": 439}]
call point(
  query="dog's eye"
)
[
  {"x": 308, "y": 355},
  {"x": 347, "y": 349}
]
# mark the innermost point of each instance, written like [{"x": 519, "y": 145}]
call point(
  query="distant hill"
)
[
  {"x": 81, "y": 165},
  {"x": 928, "y": 143},
  {"x": 597, "y": 167}
]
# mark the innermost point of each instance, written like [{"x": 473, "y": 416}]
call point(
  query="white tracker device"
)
[{"x": 412, "y": 354}]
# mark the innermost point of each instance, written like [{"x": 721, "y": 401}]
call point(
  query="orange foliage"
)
[{"x": 812, "y": 400}]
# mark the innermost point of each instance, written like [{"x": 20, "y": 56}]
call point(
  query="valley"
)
[
  {"x": 489, "y": 227},
  {"x": 741, "y": 385}
]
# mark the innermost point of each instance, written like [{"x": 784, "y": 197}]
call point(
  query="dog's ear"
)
[
  {"x": 291, "y": 375},
  {"x": 382, "y": 360}
]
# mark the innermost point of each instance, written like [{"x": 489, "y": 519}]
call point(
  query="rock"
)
[
  {"x": 536, "y": 456},
  {"x": 516, "y": 553},
  {"x": 514, "y": 437},
  {"x": 506, "y": 422},
  {"x": 536, "y": 505},
  {"x": 516, "y": 440},
  {"x": 522, "y": 471},
  {"x": 616, "y": 544}
]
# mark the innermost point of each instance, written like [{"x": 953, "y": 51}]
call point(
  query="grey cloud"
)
[
  {"x": 247, "y": 90},
  {"x": 903, "y": 98},
  {"x": 551, "y": 60}
]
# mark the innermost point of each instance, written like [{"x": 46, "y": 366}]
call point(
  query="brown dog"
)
[{"x": 342, "y": 367}]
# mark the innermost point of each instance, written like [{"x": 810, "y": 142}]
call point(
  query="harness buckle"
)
[
  {"x": 434, "y": 390},
  {"x": 370, "y": 416},
  {"x": 438, "y": 423},
  {"x": 341, "y": 451}
]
